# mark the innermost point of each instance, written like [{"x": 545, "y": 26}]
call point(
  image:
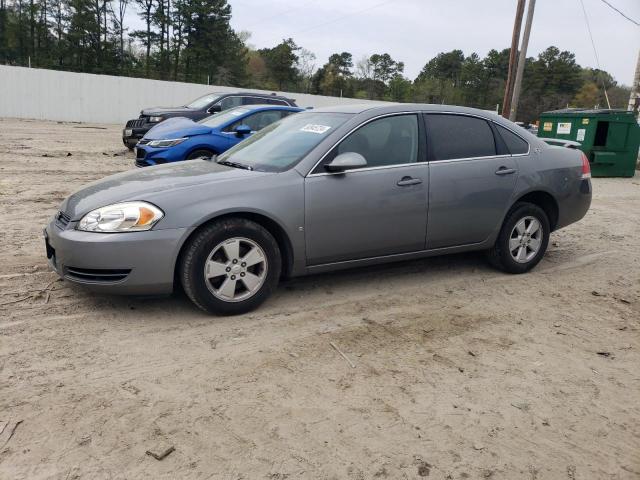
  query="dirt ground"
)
[{"x": 460, "y": 371}]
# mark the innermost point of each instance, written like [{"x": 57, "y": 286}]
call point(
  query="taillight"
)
[{"x": 586, "y": 168}]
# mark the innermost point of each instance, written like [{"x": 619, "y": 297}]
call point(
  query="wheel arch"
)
[
  {"x": 271, "y": 225},
  {"x": 195, "y": 148},
  {"x": 546, "y": 202}
]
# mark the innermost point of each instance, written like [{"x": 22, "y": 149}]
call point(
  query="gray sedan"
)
[{"x": 318, "y": 191}]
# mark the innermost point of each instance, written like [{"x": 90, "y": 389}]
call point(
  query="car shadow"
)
[{"x": 360, "y": 279}]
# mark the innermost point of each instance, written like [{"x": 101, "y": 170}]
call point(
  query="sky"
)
[{"x": 413, "y": 31}]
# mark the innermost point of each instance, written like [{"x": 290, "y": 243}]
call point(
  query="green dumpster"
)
[{"x": 609, "y": 138}]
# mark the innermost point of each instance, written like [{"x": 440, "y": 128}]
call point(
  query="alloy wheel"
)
[
  {"x": 525, "y": 239},
  {"x": 235, "y": 269}
]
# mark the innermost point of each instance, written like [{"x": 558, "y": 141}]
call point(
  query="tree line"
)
[{"x": 193, "y": 41}]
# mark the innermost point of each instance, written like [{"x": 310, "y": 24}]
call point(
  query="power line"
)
[
  {"x": 621, "y": 13},
  {"x": 595, "y": 52},
  {"x": 339, "y": 19},
  {"x": 281, "y": 14}
]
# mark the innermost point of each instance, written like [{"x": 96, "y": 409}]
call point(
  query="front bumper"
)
[
  {"x": 135, "y": 263},
  {"x": 148, "y": 156},
  {"x": 132, "y": 135}
]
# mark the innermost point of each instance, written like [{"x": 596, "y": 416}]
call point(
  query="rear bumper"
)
[
  {"x": 575, "y": 206},
  {"x": 136, "y": 263}
]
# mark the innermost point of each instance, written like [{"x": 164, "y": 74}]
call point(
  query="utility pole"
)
[
  {"x": 515, "y": 39},
  {"x": 521, "y": 61},
  {"x": 634, "y": 99}
]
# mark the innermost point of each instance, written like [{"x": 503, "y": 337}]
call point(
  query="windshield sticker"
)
[{"x": 311, "y": 128}]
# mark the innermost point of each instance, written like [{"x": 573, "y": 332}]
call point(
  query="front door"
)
[{"x": 377, "y": 210}]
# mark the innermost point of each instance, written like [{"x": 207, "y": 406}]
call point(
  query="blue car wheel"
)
[{"x": 200, "y": 153}]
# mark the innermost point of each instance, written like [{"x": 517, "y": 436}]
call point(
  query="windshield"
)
[
  {"x": 203, "y": 101},
  {"x": 283, "y": 144},
  {"x": 220, "y": 119}
]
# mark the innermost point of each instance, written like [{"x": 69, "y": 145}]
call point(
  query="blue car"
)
[{"x": 178, "y": 139}]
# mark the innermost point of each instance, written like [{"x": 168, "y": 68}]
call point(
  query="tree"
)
[
  {"x": 343, "y": 62},
  {"x": 334, "y": 77},
  {"x": 306, "y": 67},
  {"x": 384, "y": 67},
  {"x": 281, "y": 62},
  {"x": 445, "y": 66},
  {"x": 147, "y": 36},
  {"x": 588, "y": 96},
  {"x": 117, "y": 19}
]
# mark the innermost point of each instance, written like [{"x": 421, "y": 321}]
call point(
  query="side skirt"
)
[{"x": 400, "y": 257}]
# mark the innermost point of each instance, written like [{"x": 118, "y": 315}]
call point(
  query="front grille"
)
[
  {"x": 62, "y": 220},
  {"x": 138, "y": 122},
  {"x": 140, "y": 153},
  {"x": 97, "y": 275}
]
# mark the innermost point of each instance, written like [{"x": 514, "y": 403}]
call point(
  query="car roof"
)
[
  {"x": 257, "y": 107},
  {"x": 382, "y": 108},
  {"x": 251, "y": 94}
]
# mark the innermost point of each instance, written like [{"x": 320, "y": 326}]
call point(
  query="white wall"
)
[{"x": 82, "y": 97}]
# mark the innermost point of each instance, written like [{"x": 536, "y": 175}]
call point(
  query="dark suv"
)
[{"x": 196, "y": 110}]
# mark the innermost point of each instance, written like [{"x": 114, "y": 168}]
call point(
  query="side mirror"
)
[
  {"x": 242, "y": 130},
  {"x": 346, "y": 161},
  {"x": 214, "y": 108}
]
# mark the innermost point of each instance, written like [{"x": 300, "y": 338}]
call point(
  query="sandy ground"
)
[{"x": 460, "y": 371}]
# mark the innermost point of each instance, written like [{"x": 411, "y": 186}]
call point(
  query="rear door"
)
[
  {"x": 377, "y": 210},
  {"x": 471, "y": 179}
]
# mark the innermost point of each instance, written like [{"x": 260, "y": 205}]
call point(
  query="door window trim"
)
[
  {"x": 517, "y": 135},
  {"x": 219, "y": 102},
  {"x": 491, "y": 124},
  {"x": 421, "y": 150}
]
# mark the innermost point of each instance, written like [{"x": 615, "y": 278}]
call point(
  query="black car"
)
[{"x": 196, "y": 110}]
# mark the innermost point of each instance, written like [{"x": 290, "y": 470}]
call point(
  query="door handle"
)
[
  {"x": 407, "y": 181},
  {"x": 505, "y": 171}
]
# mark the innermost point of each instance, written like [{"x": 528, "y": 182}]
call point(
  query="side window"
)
[
  {"x": 257, "y": 121},
  {"x": 253, "y": 101},
  {"x": 273, "y": 101},
  {"x": 514, "y": 143},
  {"x": 383, "y": 142},
  {"x": 459, "y": 136},
  {"x": 230, "y": 102}
]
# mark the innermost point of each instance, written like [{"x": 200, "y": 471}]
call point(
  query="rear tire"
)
[
  {"x": 196, "y": 154},
  {"x": 230, "y": 266},
  {"x": 523, "y": 239}
]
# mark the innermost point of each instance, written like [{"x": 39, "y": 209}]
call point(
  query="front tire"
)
[
  {"x": 201, "y": 153},
  {"x": 230, "y": 266},
  {"x": 523, "y": 239}
]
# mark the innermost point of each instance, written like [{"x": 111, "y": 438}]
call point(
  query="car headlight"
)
[
  {"x": 155, "y": 119},
  {"x": 166, "y": 143},
  {"x": 121, "y": 217}
]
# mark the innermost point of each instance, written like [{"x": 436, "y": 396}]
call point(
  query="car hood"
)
[
  {"x": 177, "y": 128},
  {"x": 142, "y": 183},
  {"x": 173, "y": 111}
]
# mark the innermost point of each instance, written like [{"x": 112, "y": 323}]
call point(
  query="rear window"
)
[
  {"x": 203, "y": 101},
  {"x": 220, "y": 119},
  {"x": 459, "y": 136},
  {"x": 514, "y": 143}
]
